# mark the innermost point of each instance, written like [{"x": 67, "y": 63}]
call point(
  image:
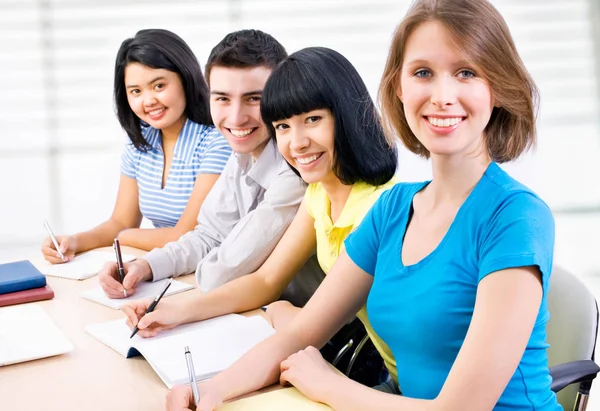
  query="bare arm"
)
[
  {"x": 126, "y": 214},
  {"x": 149, "y": 238},
  {"x": 506, "y": 308},
  {"x": 341, "y": 295}
]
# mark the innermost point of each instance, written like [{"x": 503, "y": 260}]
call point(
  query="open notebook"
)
[
  {"x": 27, "y": 333},
  {"x": 215, "y": 344},
  {"x": 144, "y": 290},
  {"x": 288, "y": 399},
  {"x": 83, "y": 266}
]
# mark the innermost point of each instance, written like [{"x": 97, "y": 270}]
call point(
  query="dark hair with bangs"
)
[
  {"x": 320, "y": 78},
  {"x": 160, "y": 49}
]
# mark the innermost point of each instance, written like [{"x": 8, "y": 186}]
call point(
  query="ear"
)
[{"x": 399, "y": 94}]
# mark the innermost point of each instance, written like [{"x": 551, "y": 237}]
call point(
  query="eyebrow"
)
[
  {"x": 155, "y": 80},
  {"x": 247, "y": 94},
  {"x": 459, "y": 63}
]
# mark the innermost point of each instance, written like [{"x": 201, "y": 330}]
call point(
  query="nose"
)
[
  {"x": 299, "y": 141},
  {"x": 149, "y": 99},
  {"x": 238, "y": 114},
  {"x": 443, "y": 93}
]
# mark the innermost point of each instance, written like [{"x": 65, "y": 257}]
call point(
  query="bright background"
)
[{"x": 60, "y": 142}]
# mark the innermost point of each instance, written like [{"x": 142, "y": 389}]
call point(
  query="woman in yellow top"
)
[{"x": 319, "y": 110}]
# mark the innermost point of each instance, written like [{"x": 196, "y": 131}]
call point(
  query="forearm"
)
[
  {"x": 150, "y": 238},
  {"x": 259, "y": 368},
  {"x": 344, "y": 394},
  {"x": 100, "y": 236},
  {"x": 242, "y": 294}
]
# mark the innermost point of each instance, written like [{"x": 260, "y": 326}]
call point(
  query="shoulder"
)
[
  {"x": 397, "y": 194},
  {"x": 512, "y": 200}
]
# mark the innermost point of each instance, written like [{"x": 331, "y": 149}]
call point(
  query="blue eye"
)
[
  {"x": 422, "y": 73},
  {"x": 466, "y": 73}
]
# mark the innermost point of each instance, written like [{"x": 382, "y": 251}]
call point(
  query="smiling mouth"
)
[
  {"x": 444, "y": 122},
  {"x": 156, "y": 112},
  {"x": 308, "y": 159},
  {"x": 242, "y": 133}
]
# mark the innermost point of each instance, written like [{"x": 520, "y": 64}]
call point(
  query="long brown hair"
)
[{"x": 482, "y": 36}]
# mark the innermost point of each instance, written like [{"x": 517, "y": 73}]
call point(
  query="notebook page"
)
[
  {"x": 27, "y": 333},
  {"x": 115, "y": 334},
  {"x": 288, "y": 399},
  {"x": 144, "y": 291},
  {"x": 81, "y": 267},
  {"x": 215, "y": 344}
]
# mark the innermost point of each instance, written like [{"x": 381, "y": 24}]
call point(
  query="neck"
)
[
  {"x": 337, "y": 193},
  {"x": 454, "y": 177},
  {"x": 171, "y": 133},
  {"x": 259, "y": 150}
]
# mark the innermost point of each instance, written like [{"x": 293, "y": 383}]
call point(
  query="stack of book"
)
[{"x": 21, "y": 282}]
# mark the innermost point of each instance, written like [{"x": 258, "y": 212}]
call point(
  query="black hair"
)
[
  {"x": 320, "y": 78},
  {"x": 245, "y": 48},
  {"x": 160, "y": 49}
]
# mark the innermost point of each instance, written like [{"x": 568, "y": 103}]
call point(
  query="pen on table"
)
[
  {"x": 153, "y": 305},
  {"x": 117, "y": 248},
  {"x": 53, "y": 238},
  {"x": 192, "y": 373}
]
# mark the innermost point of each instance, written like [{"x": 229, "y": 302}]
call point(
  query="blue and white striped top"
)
[{"x": 199, "y": 149}]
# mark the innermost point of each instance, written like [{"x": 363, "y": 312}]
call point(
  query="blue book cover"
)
[{"x": 19, "y": 276}]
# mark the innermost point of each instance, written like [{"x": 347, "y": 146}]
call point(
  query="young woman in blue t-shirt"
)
[
  {"x": 454, "y": 271},
  {"x": 174, "y": 154}
]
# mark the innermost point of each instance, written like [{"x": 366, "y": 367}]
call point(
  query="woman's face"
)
[
  {"x": 156, "y": 96},
  {"x": 306, "y": 142},
  {"x": 446, "y": 100}
]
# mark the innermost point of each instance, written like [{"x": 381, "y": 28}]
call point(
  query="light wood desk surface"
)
[{"x": 92, "y": 377}]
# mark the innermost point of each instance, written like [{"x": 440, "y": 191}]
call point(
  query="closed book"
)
[
  {"x": 27, "y": 296},
  {"x": 19, "y": 276}
]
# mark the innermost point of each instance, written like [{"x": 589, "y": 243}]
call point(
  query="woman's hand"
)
[{"x": 310, "y": 373}]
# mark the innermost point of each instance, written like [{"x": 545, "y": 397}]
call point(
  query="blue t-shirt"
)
[
  {"x": 199, "y": 149},
  {"x": 423, "y": 311}
]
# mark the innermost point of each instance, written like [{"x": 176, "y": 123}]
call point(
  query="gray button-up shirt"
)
[{"x": 241, "y": 221}]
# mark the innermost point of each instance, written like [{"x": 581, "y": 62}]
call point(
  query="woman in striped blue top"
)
[{"x": 174, "y": 154}]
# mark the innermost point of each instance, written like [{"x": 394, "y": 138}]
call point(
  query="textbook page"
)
[
  {"x": 27, "y": 333},
  {"x": 215, "y": 344},
  {"x": 288, "y": 399},
  {"x": 143, "y": 291},
  {"x": 83, "y": 266}
]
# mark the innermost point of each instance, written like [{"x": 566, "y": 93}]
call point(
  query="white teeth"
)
[
  {"x": 241, "y": 133},
  {"x": 308, "y": 160},
  {"x": 156, "y": 112},
  {"x": 444, "y": 122}
]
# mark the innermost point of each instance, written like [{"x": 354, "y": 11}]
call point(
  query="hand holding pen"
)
[
  {"x": 152, "y": 306},
  {"x": 57, "y": 250}
]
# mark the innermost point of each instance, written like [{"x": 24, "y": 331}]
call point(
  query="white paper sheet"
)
[{"x": 83, "y": 266}]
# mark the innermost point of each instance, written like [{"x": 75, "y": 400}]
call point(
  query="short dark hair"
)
[
  {"x": 320, "y": 78},
  {"x": 160, "y": 49},
  {"x": 245, "y": 48}
]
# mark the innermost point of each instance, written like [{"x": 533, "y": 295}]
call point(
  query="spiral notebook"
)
[
  {"x": 215, "y": 344},
  {"x": 27, "y": 333},
  {"x": 83, "y": 266}
]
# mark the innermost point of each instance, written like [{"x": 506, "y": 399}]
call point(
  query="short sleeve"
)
[
  {"x": 362, "y": 245},
  {"x": 216, "y": 154},
  {"x": 521, "y": 234},
  {"x": 129, "y": 161}
]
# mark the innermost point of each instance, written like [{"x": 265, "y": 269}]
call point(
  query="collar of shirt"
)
[
  {"x": 265, "y": 168},
  {"x": 186, "y": 141},
  {"x": 354, "y": 205}
]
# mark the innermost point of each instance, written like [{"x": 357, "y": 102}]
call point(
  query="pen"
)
[
  {"x": 192, "y": 373},
  {"x": 153, "y": 305},
  {"x": 62, "y": 256},
  {"x": 117, "y": 248}
]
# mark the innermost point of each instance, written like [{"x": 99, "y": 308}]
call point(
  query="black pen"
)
[
  {"x": 153, "y": 305},
  {"x": 117, "y": 248}
]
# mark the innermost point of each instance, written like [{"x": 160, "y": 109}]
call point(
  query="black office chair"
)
[{"x": 572, "y": 332}]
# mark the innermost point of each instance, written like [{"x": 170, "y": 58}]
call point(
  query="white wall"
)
[{"x": 60, "y": 141}]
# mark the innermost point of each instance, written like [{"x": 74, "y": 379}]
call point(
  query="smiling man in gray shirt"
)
[{"x": 253, "y": 201}]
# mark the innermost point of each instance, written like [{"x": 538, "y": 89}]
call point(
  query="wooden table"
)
[{"x": 92, "y": 377}]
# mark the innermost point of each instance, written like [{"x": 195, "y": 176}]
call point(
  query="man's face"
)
[{"x": 235, "y": 107}]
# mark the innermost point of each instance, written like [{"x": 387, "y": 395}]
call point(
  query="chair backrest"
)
[{"x": 573, "y": 325}]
